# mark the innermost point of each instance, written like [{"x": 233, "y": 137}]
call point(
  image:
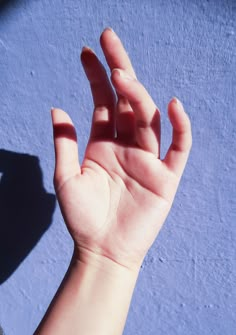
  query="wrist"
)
[
  {"x": 89, "y": 259},
  {"x": 103, "y": 287}
]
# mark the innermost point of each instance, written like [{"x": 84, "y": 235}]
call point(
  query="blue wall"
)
[{"x": 187, "y": 284}]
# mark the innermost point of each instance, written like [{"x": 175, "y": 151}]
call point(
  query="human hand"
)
[{"x": 116, "y": 201}]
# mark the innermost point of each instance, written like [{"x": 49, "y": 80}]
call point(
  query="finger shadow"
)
[{"x": 26, "y": 209}]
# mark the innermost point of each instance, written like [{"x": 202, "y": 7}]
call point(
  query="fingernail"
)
[
  {"x": 88, "y": 49},
  {"x": 123, "y": 74},
  {"x": 114, "y": 35},
  {"x": 109, "y": 28},
  {"x": 178, "y": 103}
]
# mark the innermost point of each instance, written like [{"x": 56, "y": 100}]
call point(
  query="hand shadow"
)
[
  {"x": 26, "y": 209},
  {"x": 7, "y": 5},
  {"x": 4, "y": 4}
]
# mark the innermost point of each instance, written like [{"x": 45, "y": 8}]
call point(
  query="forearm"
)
[{"x": 93, "y": 298}]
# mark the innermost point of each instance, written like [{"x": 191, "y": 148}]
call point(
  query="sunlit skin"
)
[{"x": 115, "y": 202}]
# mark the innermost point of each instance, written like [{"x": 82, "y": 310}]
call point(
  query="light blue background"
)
[{"x": 187, "y": 284}]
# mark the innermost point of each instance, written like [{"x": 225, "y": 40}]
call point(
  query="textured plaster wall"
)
[{"x": 187, "y": 285}]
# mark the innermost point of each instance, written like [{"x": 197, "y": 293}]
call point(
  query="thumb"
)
[{"x": 66, "y": 147}]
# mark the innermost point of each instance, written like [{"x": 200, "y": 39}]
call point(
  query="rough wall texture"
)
[{"x": 187, "y": 284}]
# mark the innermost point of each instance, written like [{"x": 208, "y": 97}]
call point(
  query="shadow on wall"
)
[
  {"x": 6, "y": 3},
  {"x": 26, "y": 209}
]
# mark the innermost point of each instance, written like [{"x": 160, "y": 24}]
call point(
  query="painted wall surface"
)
[{"x": 187, "y": 284}]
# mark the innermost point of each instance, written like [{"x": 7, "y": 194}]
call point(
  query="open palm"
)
[{"x": 116, "y": 201}]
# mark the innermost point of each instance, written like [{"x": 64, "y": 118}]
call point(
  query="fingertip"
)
[
  {"x": 60, "y": 116},
  {"x": 115, "y": 77},
  {"x": 124, "y": 83},
  {"x": 177, "y": 103},
  {"x": 115, "y": 73},
  {"x": 108, "y": 29},
  {"x": 119, "y": 74},
  {"x": 179, "y": 149},
  {"x": 86, "y": 52},
  {"x": 87, "y": 49},
  {"x": 88, "y": 57},
  {"x": 177, "y": 115},
  {"x": 108, "y": 32}
]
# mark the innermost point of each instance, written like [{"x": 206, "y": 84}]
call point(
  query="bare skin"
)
[{"x": 116, "y": 201}]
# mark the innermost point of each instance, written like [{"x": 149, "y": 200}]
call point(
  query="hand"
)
[{"x": 116, "y": 201}]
